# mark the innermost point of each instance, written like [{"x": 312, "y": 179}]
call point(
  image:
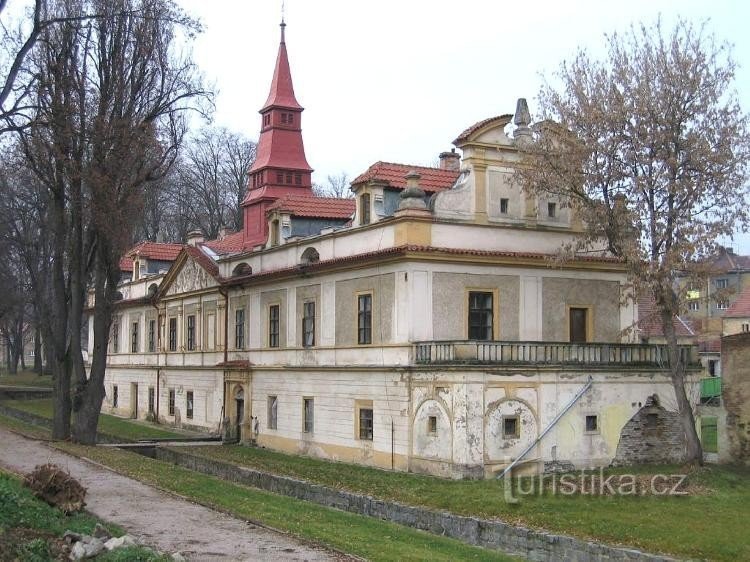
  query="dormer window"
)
[
  {"x": 364, "y": 204},
  {"x": 275, "y": 232}
]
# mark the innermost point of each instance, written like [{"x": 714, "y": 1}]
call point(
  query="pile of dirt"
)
[
  {"x": 56, "y": 487},
  {"x": 21, "y": 543}
]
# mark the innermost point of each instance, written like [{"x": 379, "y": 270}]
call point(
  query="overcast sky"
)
[{"x": 399, "y": 80}]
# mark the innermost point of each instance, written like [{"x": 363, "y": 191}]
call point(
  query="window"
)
[
  {"x": 652, "y": 420},
  {"x": 273, "y": 412},
  {"x": 151, "y": 336},
  {"x": 481, "y": 315},
  {"x": 722, "y": 283},
  {"x": 279, "y": 177},
  {"x": 134, "y": 337},
  {"x": 745, "y": 327},
  {"x": 511, "y": 427},
  {"x": 137, "y": 270},
  {"x": 274, "y": 233},
  {"x": 552, "y": 210},
  {"x": 171, "y": 401},
  {"x": 266, "y": 119},
  {"x": 694, "y": 305},
  {"x": 365, "y": 424},
  {"x": 364, "y": 319},
  {"x": 432, "y": 425},
  {"x": 273, "y": 325},
  {"x": 151, "y": 400},
  {"x": 592, "y": 423},
  {"x": 308, "y": 324},
  {"x": 189, "y": 404},
  {"x": 173, "y": 334},
  {"x": 297, "y": 179},
  {"x": 578, "y": 324},
  {"x": 289, "y": 178},
  {"x": 116, "y": 335},
  {"x": 115, "y": 396},
  {"x": 504, "y": 206},
  {"x": 722, "y": 304},
  {"x": 239, "y": 328},
  {"x": 191, "y": 332},
  {"x": 364, "y": 204},
  {"x": 712, "y": 363},
  {"x": 283, "y": 118},
  {"x": 309, "y": 411}
]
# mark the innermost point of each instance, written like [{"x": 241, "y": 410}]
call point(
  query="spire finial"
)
[{"x": 283, "y": 25}]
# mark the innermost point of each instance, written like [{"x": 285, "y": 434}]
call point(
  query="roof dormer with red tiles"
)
[{"x": 280, "y": 167}]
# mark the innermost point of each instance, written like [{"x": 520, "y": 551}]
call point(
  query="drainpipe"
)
[{"x": 558, "y": 417}]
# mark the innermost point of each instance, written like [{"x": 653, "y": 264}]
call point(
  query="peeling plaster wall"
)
[{"x": 602, "y": 296}]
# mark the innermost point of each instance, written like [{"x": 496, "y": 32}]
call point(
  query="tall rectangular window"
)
[
  {"x": 364, "y": 204},
  {"x": 578, "y": 325},
  {"x": 273, "y": 325},
  {"x": 364, "y": 319},
  {"x": 273, "y": 412},
  {"x": 151, "y": 400},
  {"x": 722, "y": 283},
  {"x": 189, "y": 404},
  {"x": 173, "y": 334},
  {"x": 504, "y": 206},
  {"x": 309, "y": 412},
  {"x": 116, "y": 335},
  {"x": 481, "y": 315},
  {"x": 239, "y": 328},
  {"x": 552, "y": 210},
  {"x": 171, "y": 401},
  {"x": 308, "y": 324},
  {"x": 115, "y": 396},
  {"x": 134, "y": 337},
  {"x": 191, "y": 332},
  {"x": 151, "y": 336},
  {"x": 365, "y": 423}
]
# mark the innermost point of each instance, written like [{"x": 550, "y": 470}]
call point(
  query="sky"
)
[{"x": 399, "y": 80}]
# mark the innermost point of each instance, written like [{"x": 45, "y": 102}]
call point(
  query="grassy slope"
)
[
  {"x": 711, "y": 525},
  {"x": 111, "y": 425},
  {"x": 25, "y": 378}
]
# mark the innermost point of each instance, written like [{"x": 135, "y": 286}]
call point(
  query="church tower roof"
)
[{"x": 282, "y": 89}]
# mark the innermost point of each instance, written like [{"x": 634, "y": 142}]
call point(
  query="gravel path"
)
[{"x": 160, "y": 520}]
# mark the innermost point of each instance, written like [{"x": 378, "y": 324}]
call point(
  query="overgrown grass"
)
[
  {"x": 25, "y": 378},
  {"x": 370, "y": 538},
  {"x": 29, "y": 526},
  {"x": 111, "y": 425},
  {"x": 711, "y": 524}
]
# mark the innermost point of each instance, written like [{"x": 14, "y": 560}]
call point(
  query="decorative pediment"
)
[{"x": 188, "y": 275}]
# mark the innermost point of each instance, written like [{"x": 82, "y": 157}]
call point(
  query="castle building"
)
[{"x": 421, "y": 325}]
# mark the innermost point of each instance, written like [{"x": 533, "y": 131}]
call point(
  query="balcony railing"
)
[{"x": 549, "y": 353}]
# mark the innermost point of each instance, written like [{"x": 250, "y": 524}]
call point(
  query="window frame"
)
[
  {"x": 494, "y": 312},
  {"x": 190, "y": 332},
  {"x": 308, "y": 323},
  {"x": 151, "y": 400},
  {"x": 189, "y": 404},
  {"x": 432, "y": 425},
  {"x": 589, "y": 318},
  {"x": 551, "y": 210},
  {"x": 365, "y": 424},
  {"x": 272, "y": 404},
  {"x": 134, "y": 347},
  {"x": 517, "y": 427},
  {"x": 151, "y": 336},
  {"x": 239, "y": 328},
  {"x": 504, "y": 205},
  {"x": 115, "y": 396},
  {"x": 274, "y": 325},
  {"x": 364, "y": 206},
  {"x": 116, "y": 335},
  {"x": 308, "y": 422},
  {"x": 596, "y": 425},
  {"x": 172, "y": 331},
  {"x": 722, "y": 283},
  {"x": 364, "y": 318},
  {"x": 171, "y": 401}
]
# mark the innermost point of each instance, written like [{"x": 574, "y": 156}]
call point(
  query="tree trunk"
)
[{"x": 693, "y": 449}]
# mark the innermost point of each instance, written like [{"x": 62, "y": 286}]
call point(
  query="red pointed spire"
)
[{"x": 282, "y": 89}]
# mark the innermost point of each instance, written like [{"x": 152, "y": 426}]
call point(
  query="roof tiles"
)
[
  {"x": 432, "y": 179},
  {"x": 160, "y": 251},
  {"x": 318, "y": 207}
]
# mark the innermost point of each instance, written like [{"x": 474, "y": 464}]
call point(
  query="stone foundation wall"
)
[
  {"x": 652, "y": 436},
  {"x": 735, "y": 358}
]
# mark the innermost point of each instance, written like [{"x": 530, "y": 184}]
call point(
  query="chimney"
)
[
  {"x": 223, "y": 232},
  {"x": 450, "y": 161},
  {"x": 194, "y": 237}
]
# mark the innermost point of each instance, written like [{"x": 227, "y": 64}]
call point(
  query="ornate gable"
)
[{"x": 186, "y": 276}]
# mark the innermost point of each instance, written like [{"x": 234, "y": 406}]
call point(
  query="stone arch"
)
[
  {"x": 310, "y": 255},
  {"x": 498, "y": 446},
  {"x": 436, "y": 445},
  {"x": 242, "y": 268}
]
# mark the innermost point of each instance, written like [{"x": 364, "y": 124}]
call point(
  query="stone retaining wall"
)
[{"x": 531, "y": 544}]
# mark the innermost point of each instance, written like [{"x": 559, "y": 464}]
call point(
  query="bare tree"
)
[
  {"x": 111, "y": 99},
  {"x": 651, "y": 152},
  {"x": 336, "y": 186}
]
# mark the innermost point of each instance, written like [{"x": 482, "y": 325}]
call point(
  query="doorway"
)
[
  {"x": 239, "y": 412},
  {"x": 578, "y": 327}
]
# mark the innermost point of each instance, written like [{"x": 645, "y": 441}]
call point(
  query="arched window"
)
[
  {"x": 242, "y": 269},
  {"x": 310, "y": 255},
  {"x": 152, "y": 289}
]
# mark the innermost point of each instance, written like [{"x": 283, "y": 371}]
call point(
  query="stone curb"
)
[{"x": 534, "y": 545}]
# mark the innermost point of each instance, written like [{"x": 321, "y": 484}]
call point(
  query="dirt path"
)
[{"x": 160, "y": 520}]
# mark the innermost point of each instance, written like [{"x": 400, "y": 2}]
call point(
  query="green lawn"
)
[
  {"x": 30, "y": 529},
  {"x": 25, "y": 378},
  {"x": 111, "y": 425},
  {"x": 711, "y": 523},
  {"x": 363, "y": 536}
]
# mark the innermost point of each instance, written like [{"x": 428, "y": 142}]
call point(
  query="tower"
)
[{"x": 280, "y": 166}]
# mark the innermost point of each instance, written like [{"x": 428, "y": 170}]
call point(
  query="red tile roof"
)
[
  {"x": 282, "y": 89},
  {"x": 203, "y": 260},
  {"x": 740, "y": 308},
  {"x": 126, "y": 264},
  {"x": 650, "y": 324},
  {"x": 160, "y": 251},
  {"x": 230, "y": 244},
  {"x": 478, "y": 125},
  {"x": 311, "y": 206},
  {"x": 432, "y": 180}
]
